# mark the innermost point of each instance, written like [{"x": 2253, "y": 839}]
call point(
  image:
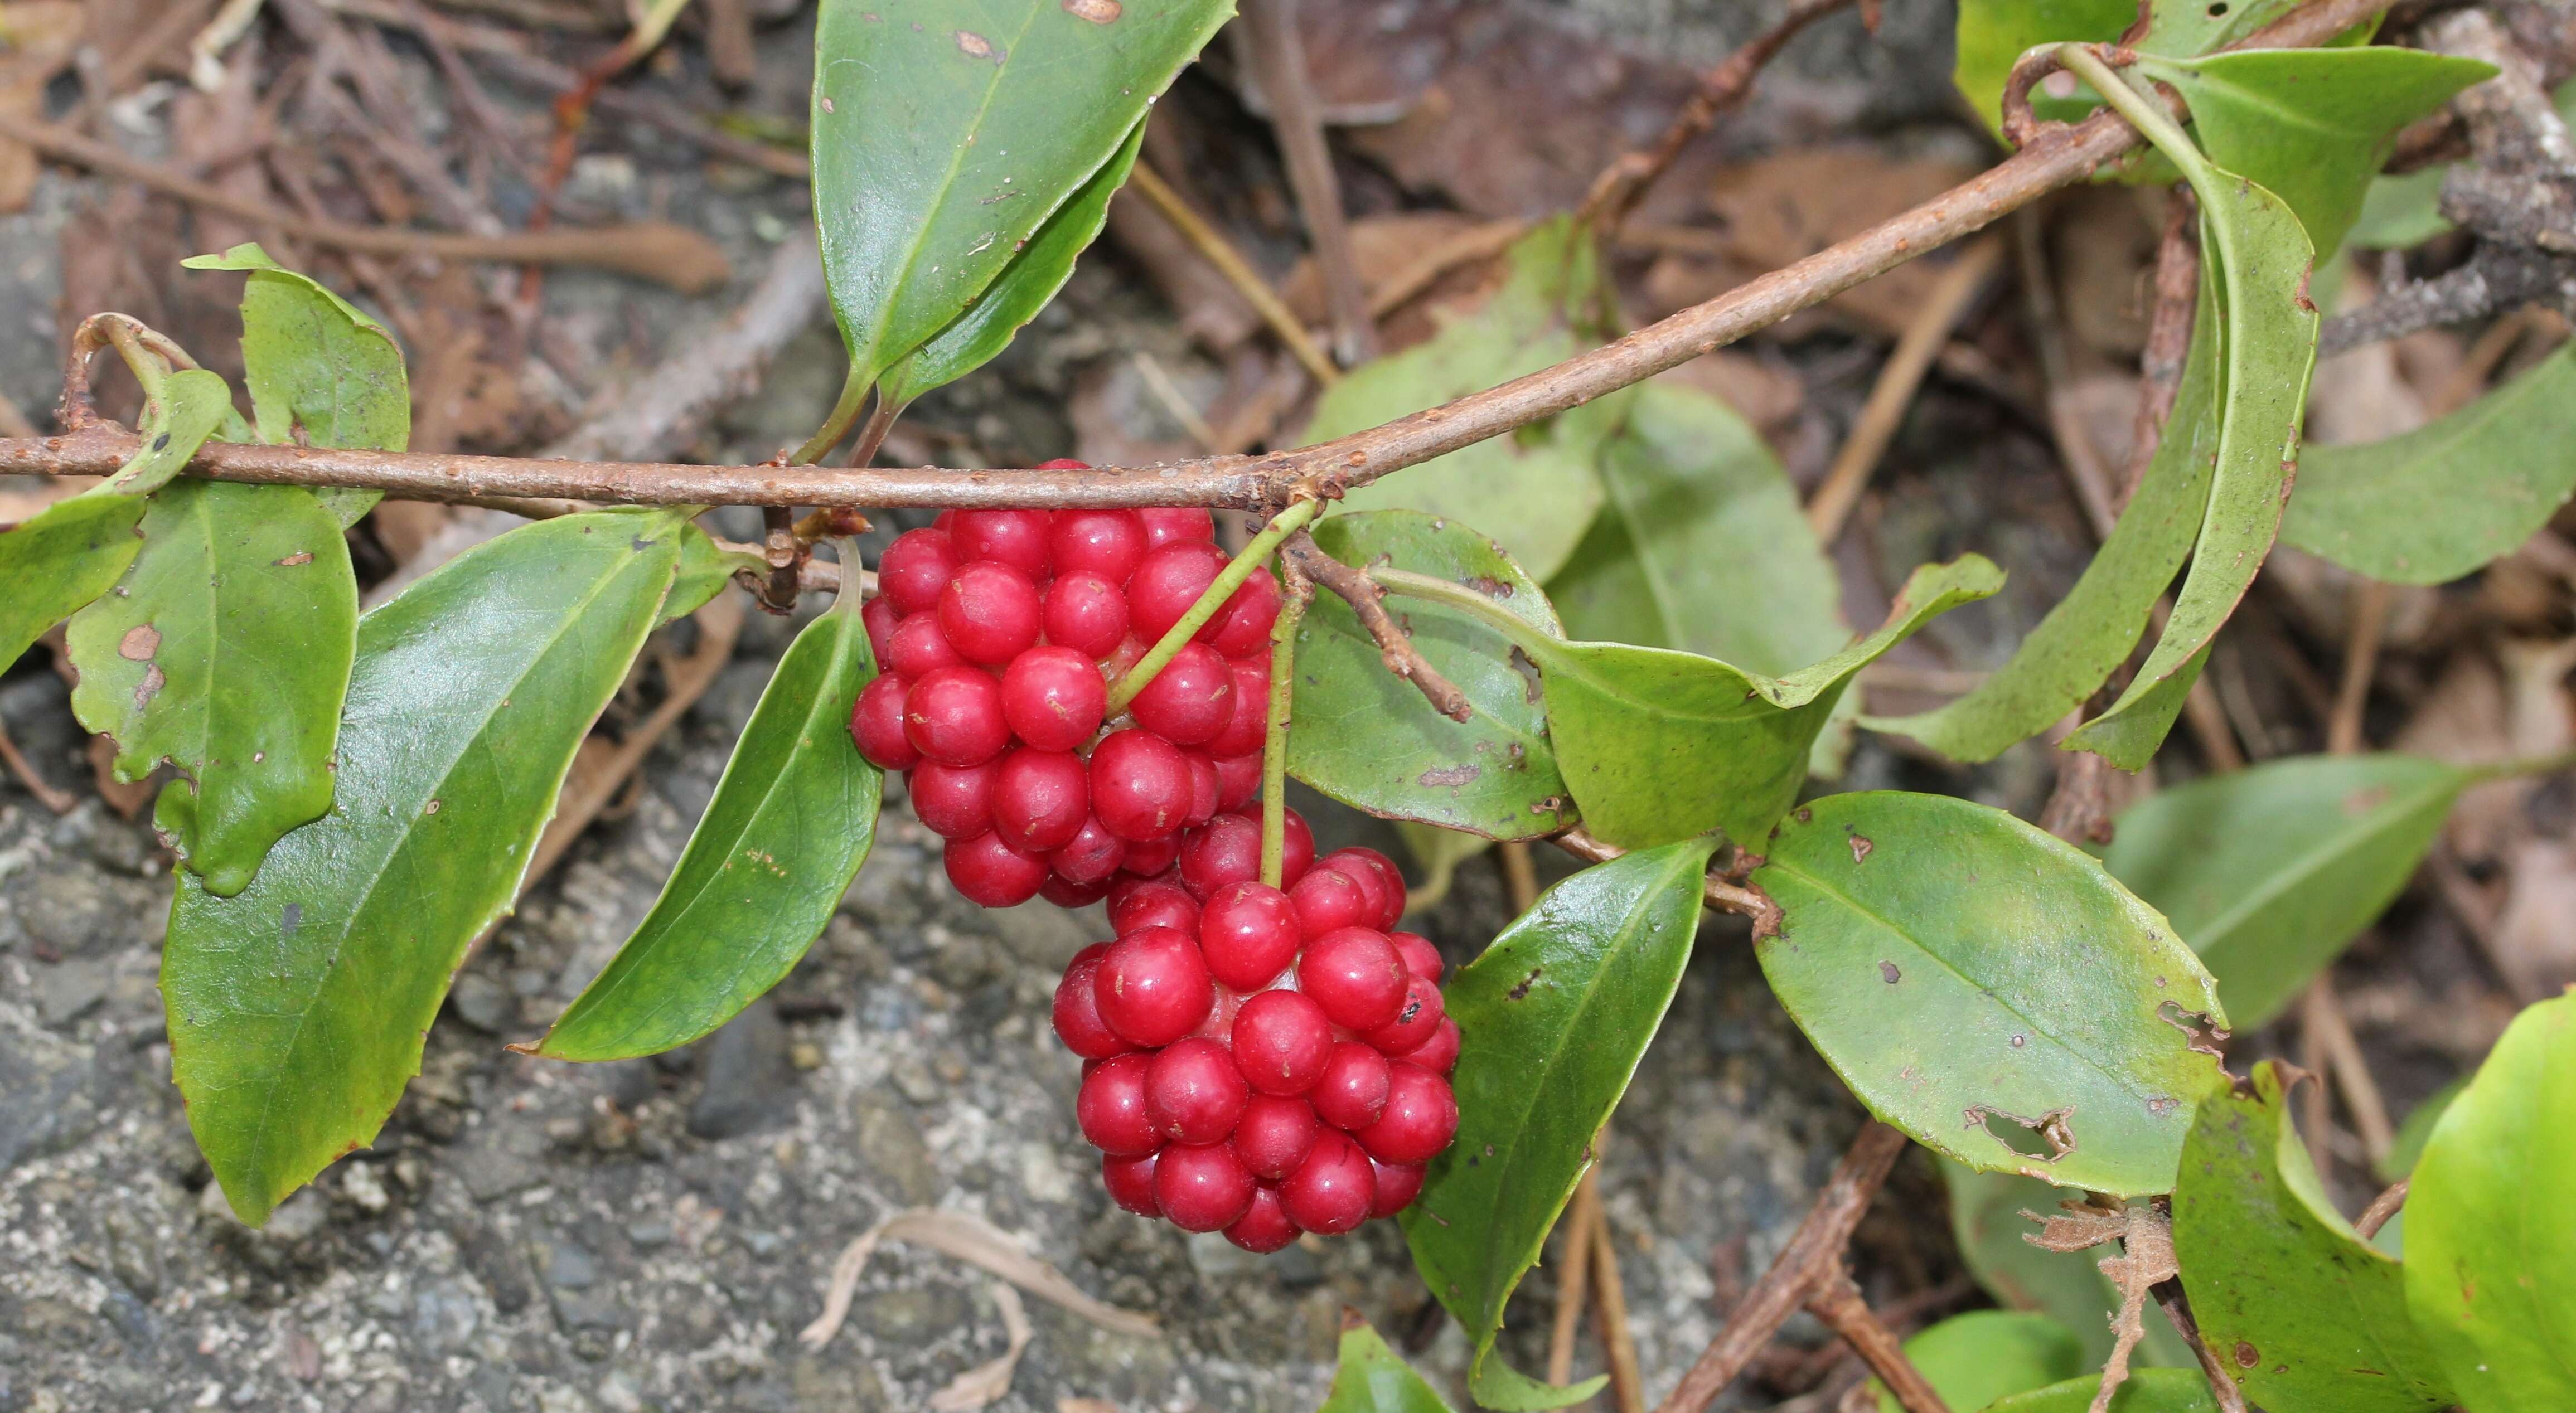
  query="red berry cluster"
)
[{"x": 1256, "y": 1061}]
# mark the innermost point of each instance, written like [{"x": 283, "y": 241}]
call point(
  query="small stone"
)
[
  {"x": 68, "y": 989},
  {"x": 570, "y": 1267},
  {"x": 748, "y": 1076},
  {"x": 914, "y": 1081},
  {"x": 483, "y": 1003},
  {"x": 359, "y": 1183},
  {"x": 648, "y": 1236}
]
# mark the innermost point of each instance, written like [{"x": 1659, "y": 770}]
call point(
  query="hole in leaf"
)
[
  {"x": 2218, "y": 10},
  {"x": 2047, "y": 1138}
]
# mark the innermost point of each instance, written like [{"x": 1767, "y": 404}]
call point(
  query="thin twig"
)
[
  {"x": 1838, "y": 1303},
  {"x": 1367, "y": 601},
  {"x": 1610, "y": 1310},
  {"x": 1279, "y": 55},
  {"x": 2076, "y": 453},
  {"x": 1717, "y": 893},
  {"x": 2177, "y": 1307},
  {"x": 53, "y": 798},
  {"x": 1573, "y": 1282},
  {"x": 2366, "y": 610},
  {"x": 1219, "y": 252},
  {"x": 2168, "y": 339},
  {"x": 2381, "y": 1208},
  {"x": 2329, "y": 1031}
]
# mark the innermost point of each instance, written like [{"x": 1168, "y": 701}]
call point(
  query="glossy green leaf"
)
[
  {"x": 320, "y": 371},
  {"x": 2066, "y": 1286},
  {"x": 790, "y": 823},
  {"x": 297, "y": 1009},
  {"x": 2303, "y": 1311},
  {"x": 2260, "y": 257},
  {"x": 2450, "y": 497},
  {"x": 947, "y": 132},
  {"x": 1371, "y": 1378},
  {"x": 2312, "y": 126},
  {"x": 1701, "y": 545},
  {"x": 2147, "y": 1391},
  {"x": 1981, "y": 985},
  {"x": 1020, "y": 291},
  {"x": 1555, "y": 1016},
  {"x": 1660, "y": 745},
  {"x": 1973, "y": 1359},
  {"x": 2091, "y": 631},
  {"x": 2270, "y": 871},
  {"x": 2490, "y": 1252},
  {"x": 1369, "y": 739},
  {"x": 224, "y": 652},
  {"x": 705, "y": 568},
  {"x": 188, "y": 411},
  {"x": 1534, "y": 491}
]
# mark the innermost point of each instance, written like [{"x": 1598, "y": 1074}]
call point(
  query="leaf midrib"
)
[{"x": 2338, "y": 846}]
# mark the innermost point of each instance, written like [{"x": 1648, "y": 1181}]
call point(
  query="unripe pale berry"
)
[
  {"x": 920, "y": 647},
  {"x": 1140, "y": 785},
  {"x": 1077, "y": 1012},
  {"x": 1282, "y": 1043},
  {"x": 1352, "y": 1092},
  {"x": 1040, "y": 799},
  {"x": 1153, "y": 988},
  {"x": 1111, "y": 1107},
  {"x": 1167, "y": 582},
  {"x": 1152, "y": 903},
  {"x": 915, "y": 568},
  {"x": 1190, "y": 700},
  {"x": 1248, "y": 932},
  {"x": 1086, "y": 613},
  {"x": 1355, "y": 975},
  {"x": 1131, "y": 1183},
  {"x": 1192, "y": 1092},
  {"x": 1421, "y": 1117},
  {"x": 1264, "y": 1226},
  {"x": 954, "y": 716},
  {"x": 1333, "y": 1190},
  {"x": 1397, "y": 1185},
  {"x": 990, "y": 612},
  {"x": 1018, "y": 538},
  {"x": 876, "y": 725},
  {"x": 1091, "y": 857},
  {"x": 991, "y": 873},
  {"x": 1053, "y": 698},
  {"x": 1274, "y": 1135},
  {"x": 1107, "y": 543},
  {"x": 953, "y": 802},
  {"x": 1329, "y": 900},
  {"x": 1204, "y": 1188},
  {"x": 1416, "y": 1021}
]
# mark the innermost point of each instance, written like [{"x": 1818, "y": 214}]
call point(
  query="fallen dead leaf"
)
[
  {"x": 2535, "y": 937},
  {"x": 978, "y": 1243},
  {"x": 990, "y": 1380}
]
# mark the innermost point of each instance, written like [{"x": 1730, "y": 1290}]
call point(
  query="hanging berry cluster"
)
[{"x": 1259, "y": 1059}]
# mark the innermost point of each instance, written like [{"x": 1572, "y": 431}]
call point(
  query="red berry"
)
[
  {"x": 1238, "y": 779},
  {"x": 1040, "y": 799},
  {"x": 1131, "y": 1183},
  {"x": 1391, "y": 879},
  {"x": 991, "y": 873},
  {"x": 1091, "y": 858},
  {"x": 1219, "y": 1025},
  {"x": 1085, "y": 612},
  {"x": 919, "y": 647},
  {"x": 1439, "y": 1054},
  {"x": 1282, "y": 1043},
  {"x": 953, "y": 802},
  {"x": 990, "y": 612},
  {"x": 1193, "y": 1093},
  {"x": 1352, "y": 1092},
  {"x": 1064, "y": 463},
  {"x": 1103, "y": 542},
  {"x": 1168, "y": 581},
  {"x": 1333, "y": 1190},
  {"x": 1206, "y": 787},
  {"x": 1296, "y": 847},
  {"x": 1223, "y": 852},
  {"x": 1243, "y": 625},
  {"x": 1053, "y": 698},
  {"x": 954, "y": 716},
  {"x": 1203, "y": 1189},
  {"x": 1264, "y": 1226},
  {"x": 1354, "y": 974},
  {"x": 1248, "y": 932},
  {"x": 1111, "y": 1107},
  {"x": 1329, "y": 900},
  {"x": 876, "y": 724},
  {"x": 1420, "y": 957},
  {"x": 1152, "y": 858},
  {"x": 915, "y": 568},
  {"x": 1153, "y": 904},
  {"x": 1017, "y": 538},
  {"x": 1397, "y": 1185},
  {"x": 1065, "y": 893},
  {"x": 1152, "y": 986},
  {"x": 1245, "y": 731},
  {"x": 880, "y": 615},
  {"x": 944, "y": 521},
  {"x": 1274, "y": 1135},
  {"x": 1077, "y": 1011},
  {"x": 1166, "y": 523},
  {"x": 1140, "y": 784},
  {"x": 1190, "y": 700},
  {"x": 1415, "y": 1023},
  {"x": 1421, "y": 1117}
]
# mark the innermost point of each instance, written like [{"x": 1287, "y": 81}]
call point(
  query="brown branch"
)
[
  {"x": 1814, "y": 1255},
  {"x": 1610, "y": 1309},
  {"x": 52, "y": 797},
  {"x": 1296, "y": 116},
  {"x": 2381, "y": 1208},
  {"x": 1395, "y": 646},
  {"x": 2177, "y": 1307},
  {"x": 1838, "y": 1303},
  {"x": 1718, "y": 894}
]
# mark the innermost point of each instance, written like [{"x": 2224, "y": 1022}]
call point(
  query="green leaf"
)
[
  {"x": 705, "y": 568},
  {"x": 297, "y": 1008},
  {"x": 1367, "y": 738},
  {"x": 1534, "y": 491},
  {"x": 1020, "y": 291},
  {"x": 790, "y": 824},
  {"x": 190, "y": 408},
  {"x": 319, "y": 370},
  {"x": 1971, "y": 977},
  {"x": 1973, "y": 1359},
  {"x": 2147, "y": 1391},
  {"x": 1555, "y": 1016},
  {"x": 2304, "y": 1312},
  {"x": 2188, "y": 27},
  {"x": 1994, "y": 33},
  {"x": 224, "y": 652},
  {"x": 1371, "y": 1379},
  {"x": 2490, "y": 1254},
  {"x": 2452, "y": 496},
  {"x": 1986, "y": 1220},
  {"x": 2312, "y": 126},
  {"x": 1660, "y": 745},
  {"x": 2270, "y": 871},
  {"x": 2400, "y": 213},
  {"x": 2091, "y": 631},
  {"x": 1701, "y": 545},
  {"x": 2262, "y": 258},
  {"x": 945, "y": 136}
]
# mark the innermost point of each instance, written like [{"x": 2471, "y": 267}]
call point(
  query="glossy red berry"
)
[
  {"x": 876, "y": 725},
  {"x": 1040, "y": 799},
  {"x": 880, "y": 615},
  {"x": 1355, "y": 861},
  {"x": 1205, "y": 788},
  {"x": 1167, "y": 582},
  {"x": 1140, "y": 784},
  {"x": 990, "y": 612},
  {"x": 1131, "y": 1183},
  {"x": 1153, "y": 858},
  {"x": 1243, "y": 624},
  {"x": 1333, "y": 1190},
  {"x": 1329, "y": 900},
  {"x": 990, "y": 873},
  {"x": 1248, "y": 932},
  {"x": 1103, "y": 542},
  {"x": 1086, "y": 613},
  {"x": 1167, "y": 523},
  {"x": 1111, "y": 1107},
  {"x": 954, "y": 716},
  {"x": 1193, "y": 1094},
  {"x": 1397, "y": 1185},
  {"x": 1282, "y": 1043},
  {"x": 915, "y": 568},
  {"x": 1420, "y": 957},
  {"x": 1245, "y": 731},
  {"x": 1274, "y": 1135},
  {"x": 1421, "y": 1117},
  {"x": 1439, "y": 1054},
  {"x": 1352, "y": 1092},
  {"x": 1416, "y": 1021},
  {"x": 1204, "y": 1188},
  {"x": 1219, "y": 1025},
  {"x": 1191, "y": 700},
  {"x": 1018, "y": 538},
  {"x": 953, "y": 802},
  {"x": 1053, "y": 698},
  {"x": 1264, "y": 1226},
  {"x": 1153, "y": 903},
  {"x": 1238, "y": 779},
  {"x": 1355, "y": 975},
  {"x": 1296, "y": 847},
  {"x": 1091, "y": 858},
  {"x": 919, "y": 647},
  {"x": 1065, "y": 893},
  {"x": 1153, "y": 988},
  {"x": 1221, "y": 853},
  {"x": 1077, "y": 1012}
]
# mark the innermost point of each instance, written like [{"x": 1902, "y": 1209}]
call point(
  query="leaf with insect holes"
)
[
  {"x": 2445, "y": 500},
  {"x": 2147, "y": 1391},
  {"x": 224, "y": 652},
  {"x": 790, "y": 823},
  {"x": 1371, "y": 1378},
  {"x": 1534, "y": 491},
  {"x": 319, "y": 370},
  {"x": 947, "y": 133},
  {"x": 1973, "y": 1359},
  {"x": 1981, "y": 984},
  {"x": 1369, "y": 739},
  {"x": 1986, "y": 1220},
  {"x": 2490, "y": 1254},
  {"x": 2269, "y": 871},
  {"x": 297, "y": 1009},
  {"x": 2302, "y": 1312},
  {"x": 1555, "y": 1016}
]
